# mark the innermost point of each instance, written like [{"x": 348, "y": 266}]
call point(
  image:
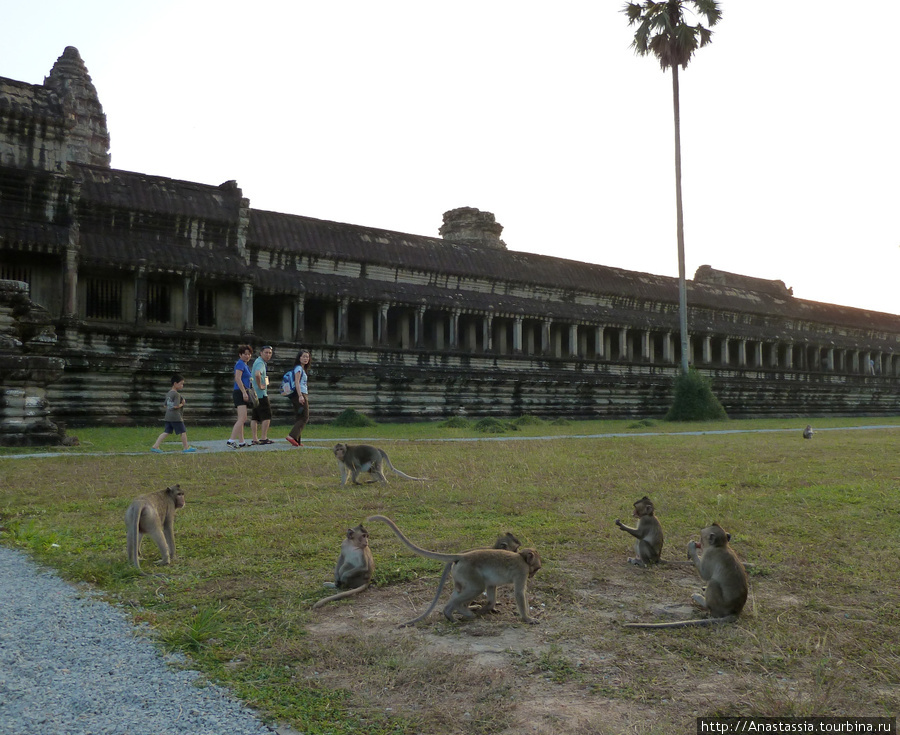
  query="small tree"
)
[{"x": 694, "y": 400}]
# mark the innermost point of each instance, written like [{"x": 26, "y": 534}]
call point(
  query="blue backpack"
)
[{"x": 288, "y": 385}]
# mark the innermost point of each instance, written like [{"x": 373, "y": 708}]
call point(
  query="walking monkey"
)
[
  {"x": 358, "y": 458},
  {"x": 474, "y": 572},
  {"x": 154, "y": 515}
]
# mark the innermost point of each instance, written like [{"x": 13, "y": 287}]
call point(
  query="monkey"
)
[
  {"x": 507, "y": 541},
  {"x": 726, "y": 581},
  {"x": 808, "y": 432},
  {"x": 359, "y": 458},
  {"x": 355, "y": 566},
  {"x": 153, "y": 514},
  {"x": 649, "y": 534},
  {"x": 474, "y": 572}
]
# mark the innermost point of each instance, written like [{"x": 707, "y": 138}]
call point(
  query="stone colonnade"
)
[{"x": 347, "y": 321}]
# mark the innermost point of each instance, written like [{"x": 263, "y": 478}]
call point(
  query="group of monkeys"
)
[{"x": 477, "y": 572}]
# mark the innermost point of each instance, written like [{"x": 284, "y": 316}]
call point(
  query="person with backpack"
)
[{"x": 294, "y": 385}]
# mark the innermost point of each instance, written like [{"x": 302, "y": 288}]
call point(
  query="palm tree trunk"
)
[{"x": 679, "y": 224}]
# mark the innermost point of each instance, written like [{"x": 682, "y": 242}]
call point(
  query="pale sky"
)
[{"x": 389, "y": 113}]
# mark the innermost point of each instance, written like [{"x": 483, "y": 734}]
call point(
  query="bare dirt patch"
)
[{"x": 576, "y": 672}]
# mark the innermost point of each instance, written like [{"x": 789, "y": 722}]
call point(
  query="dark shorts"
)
[
  {"x": 239, "y": 399},
  {"x": 263, "y": 412},
  {"x": 175, "y": 427}
]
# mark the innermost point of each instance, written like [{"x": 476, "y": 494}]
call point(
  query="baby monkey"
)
[
  {"x": 649, "y": 534},
  {"x": 355, "y": 566}
]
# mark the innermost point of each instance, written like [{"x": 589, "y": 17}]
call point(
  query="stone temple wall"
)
[
  {"x": 121, "y": 381},
  {"x": 25, "y": 416}
]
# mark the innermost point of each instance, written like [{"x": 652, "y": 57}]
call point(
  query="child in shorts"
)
[{"x": 174, "y": 422}]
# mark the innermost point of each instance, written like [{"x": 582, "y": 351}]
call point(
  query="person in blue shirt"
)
[{"x": 241, "y": 395}]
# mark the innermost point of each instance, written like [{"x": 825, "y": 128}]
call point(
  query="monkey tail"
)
[
  {"x": 341, "y": 595},
  {"x": 132, "y": 537},
  {"x": 699, "y": 622},
  {"x": 387, "y": 461},
  {"x": 434, "y": 602},
  {"x": 410, "y": 545}
]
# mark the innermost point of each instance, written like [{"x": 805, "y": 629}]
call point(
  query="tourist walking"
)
[
  {"x": 262, "y": 411},
  {"x": 174, "y": 417},
  {"x": 241, "y": 395},
  {"x": 300, "y": 398}
]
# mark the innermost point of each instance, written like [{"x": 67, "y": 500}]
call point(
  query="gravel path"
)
[{"x": 71, "y": 664}]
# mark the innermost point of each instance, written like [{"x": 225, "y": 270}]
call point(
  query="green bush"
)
[
  {"x": 352, "y": 419},
  {"x": 528, "y": 420},
  {"x": 694, "y": 400},
  {"x": 643, "y": 423},
  {"x": 456, "y": 422},
  {"x": 491, "y": 425}
]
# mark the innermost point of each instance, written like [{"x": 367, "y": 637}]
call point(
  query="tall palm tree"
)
[{"x": 663, "y": 32}]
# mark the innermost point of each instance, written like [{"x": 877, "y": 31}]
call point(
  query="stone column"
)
[
  {"x": 599, "y": 341},
  {"x": 517, "y": 335},
  {"x": 545, "y": 337},
  {"x": 383, "y": 324},
  {"x": 646, "y": 354},
  {"x": 487, "y": 333},
  {"x": 454, "y": 329},
  {"x": 189, "y": 296},
  {"x": 669, "y": 348},
  {"x": 70, "y": 277},
  {"x": 140, "y": 296},
  {"x": 742, "y": 353},
  {"x": 246, "y": 309},
  {"x": 343, "y": 320},
  {"x": 573, "y": 340},
  {"x": 419, "y": 328},
  {"x": 299, "y": 318}
]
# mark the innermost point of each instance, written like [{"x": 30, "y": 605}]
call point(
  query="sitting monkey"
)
[
  {"x": 727, "y": 587},
  {"x": 649, "y": 533},
  {"x": 355, "y": 566}
]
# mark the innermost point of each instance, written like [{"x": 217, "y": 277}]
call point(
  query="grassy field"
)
[{"x": 817, "y": 522}]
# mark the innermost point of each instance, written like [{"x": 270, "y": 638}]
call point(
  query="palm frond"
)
[
  {"x": 663, "y": 32},
  {"x": 709, "y": 9}
]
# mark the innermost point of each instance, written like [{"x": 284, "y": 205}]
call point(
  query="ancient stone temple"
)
[{"x": 144, "y": 275}]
